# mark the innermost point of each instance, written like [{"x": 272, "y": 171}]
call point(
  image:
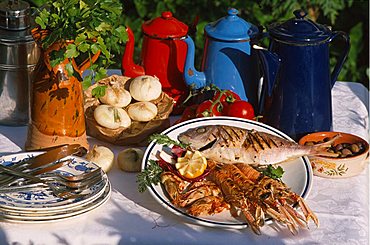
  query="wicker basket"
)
[{"x": 138, "y": 132}]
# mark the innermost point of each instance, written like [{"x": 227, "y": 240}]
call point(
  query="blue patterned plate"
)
[
  {"x": 43, "y": 199},
  {"x": 57, "y": 215}
]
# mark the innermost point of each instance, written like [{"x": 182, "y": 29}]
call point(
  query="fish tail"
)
[{"x": 321, "y": 149}]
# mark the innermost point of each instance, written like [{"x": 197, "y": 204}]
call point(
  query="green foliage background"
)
[{"x": 351, "y": 16}]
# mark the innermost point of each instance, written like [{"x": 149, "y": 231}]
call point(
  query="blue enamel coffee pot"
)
[
  {"x": 229, "y": 60},
  {"x": 299, "y": 101}
]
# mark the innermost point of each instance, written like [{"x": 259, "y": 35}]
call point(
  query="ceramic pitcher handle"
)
[{"x": 338, "y": 66}]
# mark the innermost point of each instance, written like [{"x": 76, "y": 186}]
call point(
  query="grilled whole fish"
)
[{"x": 236, "y": 145}]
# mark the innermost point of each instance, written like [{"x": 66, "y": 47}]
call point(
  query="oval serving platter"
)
[{"x": 298, "y": 173}]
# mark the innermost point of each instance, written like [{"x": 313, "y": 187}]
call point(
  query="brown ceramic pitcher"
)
[{"x": 57, "y": 112}]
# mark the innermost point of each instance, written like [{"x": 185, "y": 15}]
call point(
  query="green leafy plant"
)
[{"x": 89, "y": 26}]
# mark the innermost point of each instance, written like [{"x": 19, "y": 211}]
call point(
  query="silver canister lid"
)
[{"x": 14, "y": 15}]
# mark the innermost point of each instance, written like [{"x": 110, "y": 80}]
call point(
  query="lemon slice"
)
[{"x": 192, "y": 165}]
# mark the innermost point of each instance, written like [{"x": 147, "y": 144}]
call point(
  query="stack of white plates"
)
[{"x": 40, "y": 205}]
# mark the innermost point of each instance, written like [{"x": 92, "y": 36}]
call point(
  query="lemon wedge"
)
[{"x": 192, "y": 165}]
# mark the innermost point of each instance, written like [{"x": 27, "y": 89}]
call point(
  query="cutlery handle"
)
[
  {"x": 21, "y": 174},
  {"x": 45, "y": 169}
]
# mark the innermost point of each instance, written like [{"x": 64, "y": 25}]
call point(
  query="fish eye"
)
[{"x": 201, "y": 130}]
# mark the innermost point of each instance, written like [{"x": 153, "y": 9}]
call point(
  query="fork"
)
[
  {"x": 73, "y": 178},
  {"x": 55, "y": 189},
  {"x": 65, "y": 183},
  {"x": 52, "y": 156},
  {"x": 40, "y": 170}
]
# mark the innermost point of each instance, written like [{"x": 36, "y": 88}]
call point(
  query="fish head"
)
[{"x": 200, "y": 137}]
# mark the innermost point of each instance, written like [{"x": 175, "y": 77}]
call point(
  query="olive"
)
[
  {"x": 346, "y": 152},
  {"x": 338, "y": 147},
  {"x": 309, "y": 143},
  {"x": 354, "y": 148},
  {"x": 360, "y": 145},
  {"x": 331, "y": 150}
]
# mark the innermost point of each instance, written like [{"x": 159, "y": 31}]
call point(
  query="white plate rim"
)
[{"x": 164, "y": 202}]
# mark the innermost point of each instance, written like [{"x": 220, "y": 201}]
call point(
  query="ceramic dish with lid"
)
[{"x": 339, "y": 167}]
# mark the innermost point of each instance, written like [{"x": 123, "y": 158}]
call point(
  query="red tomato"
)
[
  {"x": 189, "y": 113},
  {"x": 226, "y": 96},
  {"x": 240, "y": 108},
  {"x": 208, "y": 109}
]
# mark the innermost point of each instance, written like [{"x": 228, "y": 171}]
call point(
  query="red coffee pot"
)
[{"x": 163, "y": 55}]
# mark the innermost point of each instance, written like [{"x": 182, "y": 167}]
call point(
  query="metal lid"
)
[
  {"x": 231, "y": 28},
  {"x": 164, "y": 27},
  {"x": 14, "y": 15},
  {"x": 299, "y": 30}
]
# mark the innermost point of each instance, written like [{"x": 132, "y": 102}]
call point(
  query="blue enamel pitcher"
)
[
  {"x": 229, "y": 60},
  {"x": 299, "y": 101}
]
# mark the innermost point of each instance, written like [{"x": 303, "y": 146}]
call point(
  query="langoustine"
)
[
  {"x": 255, "y": 195},
  {"x": 199, "y": 198},
  {"x": 242, "y": 190}
]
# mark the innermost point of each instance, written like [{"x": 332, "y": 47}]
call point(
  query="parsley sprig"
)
[
  {"x": 167, "y": 141},
  {"x": 274, "y": 173},
  {"x": 150, "y": 175}
]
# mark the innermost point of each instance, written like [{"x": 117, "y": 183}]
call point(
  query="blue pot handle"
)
[{"x": 338, "y": 66}]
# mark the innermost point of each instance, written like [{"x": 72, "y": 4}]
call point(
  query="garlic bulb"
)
[
  {"x": 145, "y": 88},
  {"x": 111, "y": 117},
  {"x": 116, "y": 96},
  {"x": 101, "y": 156},
  {"x": 130, "y": 159},
  {"x": 142, "y": 111}
]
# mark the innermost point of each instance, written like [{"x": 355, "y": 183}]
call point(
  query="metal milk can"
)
[{"x": 18, "y": 57}]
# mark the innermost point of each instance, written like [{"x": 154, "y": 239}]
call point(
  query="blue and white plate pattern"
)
[
  {"x": 43, "y": 199},
  {"x": 298, "y": 173},
  {"x": 56, "y": 215}
]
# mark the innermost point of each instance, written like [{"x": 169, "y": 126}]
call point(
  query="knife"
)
[
  {"x": 45, "y": 160},
  {"x": 53, "y": 155}
]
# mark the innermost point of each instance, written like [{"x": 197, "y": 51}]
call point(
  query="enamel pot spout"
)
[
  {"x": 129, "y": 68},
  {"x": 193, "y": 78}
]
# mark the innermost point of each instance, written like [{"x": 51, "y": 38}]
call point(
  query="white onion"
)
[
  {"x": 116, "y": 96},
  {"x": 142, "y": 111},
  {"x": 130, "y": 159},
  {"x": 145, "y": 88},
  {"x": 101, "y": 156},
  {"x": 111, "y": 117}
]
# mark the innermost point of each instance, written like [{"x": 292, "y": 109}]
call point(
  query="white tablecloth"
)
[{"x": 130, "y": 217}]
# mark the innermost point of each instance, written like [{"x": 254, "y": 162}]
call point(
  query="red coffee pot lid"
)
[{"x": 164, "y": 27}]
